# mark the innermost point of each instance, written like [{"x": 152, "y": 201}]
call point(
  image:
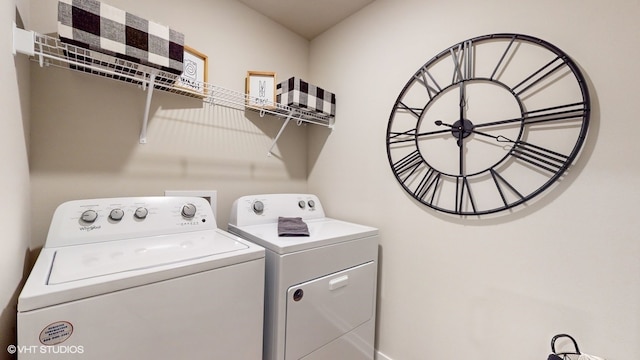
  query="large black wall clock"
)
[{"x": 488, "y": 124}]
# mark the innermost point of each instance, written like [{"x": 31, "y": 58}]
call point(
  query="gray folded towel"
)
[{"x": 292, "y": 226}]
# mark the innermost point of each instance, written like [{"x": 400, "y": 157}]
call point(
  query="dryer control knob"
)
[
  {"x": 258, "y": 207},
  {"x": 116, "y": 214},
  {"x": 302, "y": 204},
  {"x": 188, "y": 211},
  {"x": 312, "y": 204},
  {"x": 141, "y": 213},
  {"x": 89, "y": 216},
  {"x": 297, "y": 295}
]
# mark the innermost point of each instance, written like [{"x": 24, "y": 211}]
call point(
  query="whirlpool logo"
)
[{"x": 90, "y": 228}]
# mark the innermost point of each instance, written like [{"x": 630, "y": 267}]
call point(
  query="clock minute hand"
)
[
  {"x": 461, "y": 147},
  {"x": 498, "y": 138},
  {"x": 500, "y": 122},
  {"x": 436, "y": 132},
  {"x": 463, "y": 101}
]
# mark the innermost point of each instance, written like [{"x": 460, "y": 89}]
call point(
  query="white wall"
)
[
  {"x": 14, "y": 171},
  {"x": 496, "y": 288},
  {"x": 85, "y": 128}
]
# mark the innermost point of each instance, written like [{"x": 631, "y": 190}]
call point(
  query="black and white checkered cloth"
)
[
  {"x": 97, "y": 26},
  {"x": 300, "y": 94}
]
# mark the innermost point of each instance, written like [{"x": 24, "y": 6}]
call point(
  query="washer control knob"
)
[
  {"x": 312, "y": 204},
  {"x": 297, "y": 295},
  {"x": 302, "y": 204},
  {"x": 141, "y": 213},
  {"x": 188, "y": 211},
  {"x": 258, "y": 207},
  {"x": 116, "y": 214},
  {"x": 89, "y": 216}
]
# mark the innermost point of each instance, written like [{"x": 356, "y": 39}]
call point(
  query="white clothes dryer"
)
[
  {"x": 142, "y": 278},
  {"x": 320, "y": 292}
]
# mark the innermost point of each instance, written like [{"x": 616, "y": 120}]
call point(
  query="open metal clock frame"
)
[{"x": 488, "y": 124}]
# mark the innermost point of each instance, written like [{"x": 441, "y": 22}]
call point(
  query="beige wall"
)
[
  {"x": 496, "y": 288},
  {"x": 14, "y": 172},
  {"x": 449, "y": 287},
  {"x": 85, "y": 129}
]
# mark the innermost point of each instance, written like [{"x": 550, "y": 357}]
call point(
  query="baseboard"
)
[{"x": 381, "y": 356}]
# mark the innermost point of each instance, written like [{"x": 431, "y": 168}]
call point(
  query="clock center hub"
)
[{"x": 462, "y": 126}]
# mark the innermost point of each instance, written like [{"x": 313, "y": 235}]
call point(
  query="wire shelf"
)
[{"x": 50, "y": 51}]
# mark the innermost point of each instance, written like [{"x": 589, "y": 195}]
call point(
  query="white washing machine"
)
[
  {"x": 320, "y": 293},
  {"x": 142, "y": 278}
]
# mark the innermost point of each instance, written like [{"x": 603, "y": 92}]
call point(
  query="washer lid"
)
[
  {"x": 64, "y": 274},
  {"x": 322, "y": 232},
  {"x": 92, "y": 260}
]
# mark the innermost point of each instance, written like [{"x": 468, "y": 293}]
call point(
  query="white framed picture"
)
[
  {"x": 195, "y": 74},
  {"x": 261, "y": 89}
]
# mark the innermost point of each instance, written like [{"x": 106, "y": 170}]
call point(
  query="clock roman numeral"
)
[
  {"x": 412, "y": 168},
  {"x": 462, "y": 61},
  {"x": 428, "y": 184},
  {"x": 539, "y": 156},
  {"x": 556, "y": 113},
  {"x": 408, "y": 165},
  {"x": 462, "y": 187},
  {"x": 396, "y": 137},
  {"x": 426, "y": 79},
  {"x": 537, "y": 76},
  {"x": 504, "y": 55},
  {"x": 401, "y": 108},
  {"x": 417, "y": 112},
  {"x": 500, "y": 183}
]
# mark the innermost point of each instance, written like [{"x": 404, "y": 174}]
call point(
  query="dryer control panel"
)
[
  {"x": 266, "y": 208},
  {"x": 97, "y": 220}
]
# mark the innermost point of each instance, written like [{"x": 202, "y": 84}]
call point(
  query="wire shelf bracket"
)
[
  {"x": 50, "y": 51},
  {"x": 284, "y": 125}
]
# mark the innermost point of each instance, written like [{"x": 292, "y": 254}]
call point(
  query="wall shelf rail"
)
[{"x": 50, "y": 51}]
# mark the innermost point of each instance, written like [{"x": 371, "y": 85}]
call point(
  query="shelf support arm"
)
[
  {"x": 145, "y": 120},
  {"x": 286, "y": 122}
]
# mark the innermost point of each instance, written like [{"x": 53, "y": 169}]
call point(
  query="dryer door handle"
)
[{"x": 338, "y": 282}]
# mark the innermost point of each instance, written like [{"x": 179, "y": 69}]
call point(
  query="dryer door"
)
[{"x": 322, "y": 310}]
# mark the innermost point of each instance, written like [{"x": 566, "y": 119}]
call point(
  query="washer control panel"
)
[
  {"x": 97, "y": 220},
  {"x": 266, "y": 208}
]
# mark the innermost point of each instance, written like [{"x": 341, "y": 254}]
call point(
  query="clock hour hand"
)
[
  {"x": 461, "y": 146},
  {"x": 440, "y": 123}
]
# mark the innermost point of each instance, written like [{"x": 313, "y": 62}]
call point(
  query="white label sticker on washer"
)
[{"x": 56, "y": 333}]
